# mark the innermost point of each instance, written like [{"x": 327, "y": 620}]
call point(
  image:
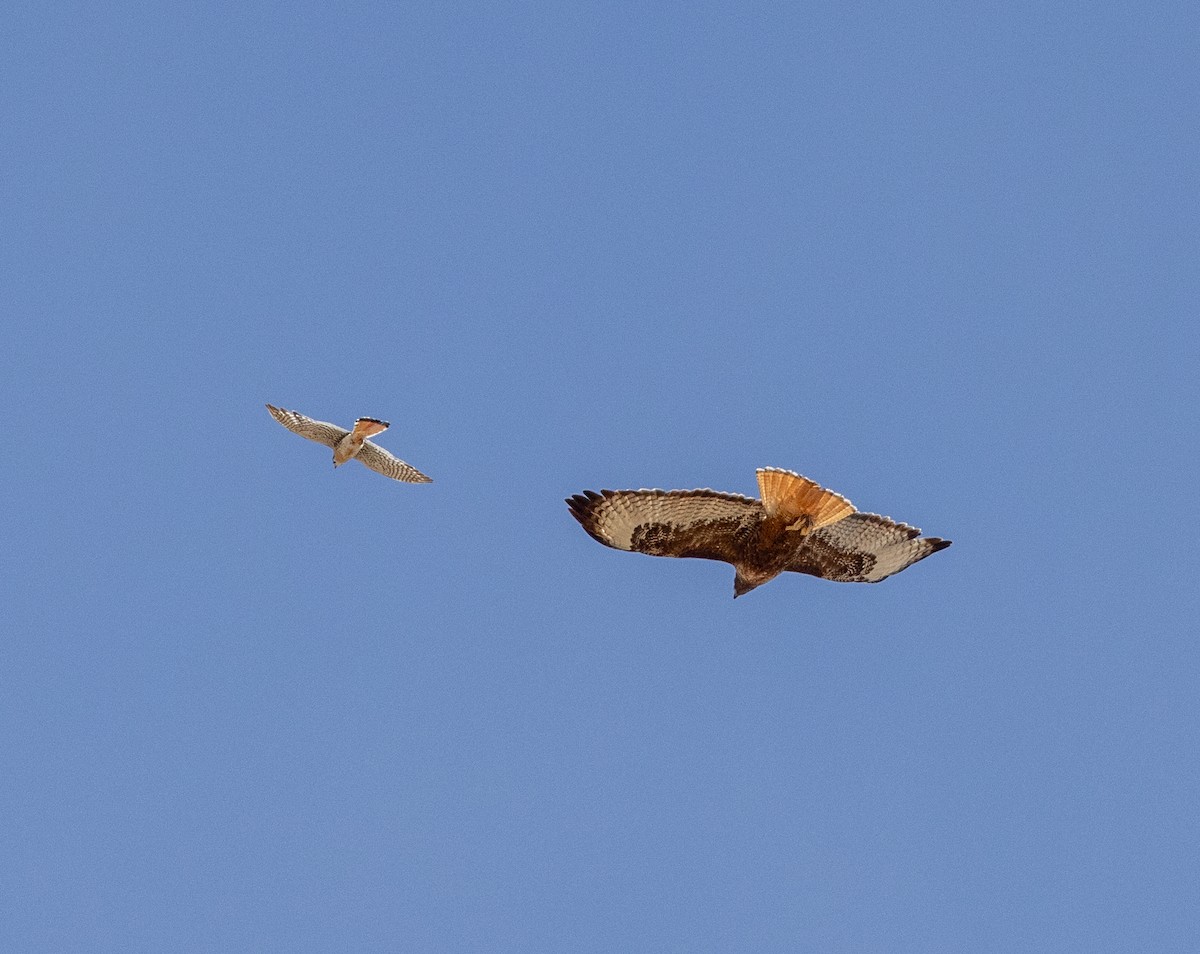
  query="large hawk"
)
[
  {"x": 353, "y": 444},
  {"x": 798, "y": 525}
]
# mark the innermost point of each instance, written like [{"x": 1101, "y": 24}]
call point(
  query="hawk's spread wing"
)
[
  {"x": 319, "y": 431},
  {"x": 390, "y": 465},
  {"x": 675, "y": 523},
  {"x": 863, "y": 548}
]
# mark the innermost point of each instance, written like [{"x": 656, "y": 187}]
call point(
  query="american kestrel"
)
[{"x": 353, "y": 444}]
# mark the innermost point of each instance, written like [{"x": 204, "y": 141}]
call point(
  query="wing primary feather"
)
[
  {"x": 863, "y": 548},
  {"x": 675, "y": 523},
  {"x": 320, "y": 431},
  {"x": 385, "y": 462}
]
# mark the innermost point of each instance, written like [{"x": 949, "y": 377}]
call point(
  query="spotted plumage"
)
[
  {"x": 797, "y": 526},
  {"x": 351, "y": 445}
]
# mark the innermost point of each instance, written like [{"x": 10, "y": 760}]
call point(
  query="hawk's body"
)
[
  {"x": 797, "y": 526},
  {"x": 351, "y": 445}
]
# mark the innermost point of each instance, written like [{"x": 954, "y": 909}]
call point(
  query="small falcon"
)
[
  {"x": 797, "y": 526},
  {"x": 348, "y": 445}
]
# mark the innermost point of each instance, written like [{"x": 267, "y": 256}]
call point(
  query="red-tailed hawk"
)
[
  {"x": 798, "y": 525},
  {"x": 351, "y": 445}
]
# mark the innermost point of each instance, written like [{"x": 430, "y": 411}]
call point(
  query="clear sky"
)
[{"x": 941, "y": 258}]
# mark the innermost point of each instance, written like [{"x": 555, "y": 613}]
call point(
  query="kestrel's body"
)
[{"x": 351, "y": 445}]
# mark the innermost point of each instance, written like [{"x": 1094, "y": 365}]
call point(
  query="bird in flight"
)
[
  {"x": 351, "y": 445},
  {"x": 797, "y": 526}
]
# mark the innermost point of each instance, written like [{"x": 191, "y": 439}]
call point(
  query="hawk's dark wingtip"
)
[
  {"x": 581, "y": 506},
  {"x": 938, "y": 544},
  {"x": 579, "y": 503},
  {"x": 576, "y": 504}
]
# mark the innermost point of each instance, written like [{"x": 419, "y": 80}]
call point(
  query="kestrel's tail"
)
[
  {"x": 366, "y": 427},
  {"x": 797, "y": 498}
]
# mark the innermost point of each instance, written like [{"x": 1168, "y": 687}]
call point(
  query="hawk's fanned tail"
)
[{"x": 800, "y": 500}]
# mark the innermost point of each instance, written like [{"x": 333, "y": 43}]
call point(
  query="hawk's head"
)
[{"x": 744, "y": 580}]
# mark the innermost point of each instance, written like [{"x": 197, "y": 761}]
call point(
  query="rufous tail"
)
[
  {"x": 369, "y": 427},
  {"x": 804, "y": 504}
]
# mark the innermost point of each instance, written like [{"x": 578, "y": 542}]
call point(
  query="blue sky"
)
[{"x": 941, "y": 259}]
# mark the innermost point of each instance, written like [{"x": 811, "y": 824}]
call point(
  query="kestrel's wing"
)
[
  {"x": 390, "y": 465},
  {"x": 863, "y": 548},
  {"x": 319, "y": 431},
  {"x": 674, "y": 523}
]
